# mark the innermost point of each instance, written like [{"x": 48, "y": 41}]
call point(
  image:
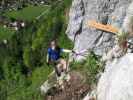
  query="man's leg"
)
[
  {"x": 59, "y": 75},
  {"x": 65, "y": 69},
  {"x": 58, "y": 69},
  {"x": 64, "y": 65}
]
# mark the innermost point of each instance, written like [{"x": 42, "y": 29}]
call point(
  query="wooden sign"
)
[{"x": 103, "y": 27}]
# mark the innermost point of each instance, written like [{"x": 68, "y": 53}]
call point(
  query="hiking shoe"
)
[
  {"x": 67, "y": 77},
  {"x": 60, "y": 80}
]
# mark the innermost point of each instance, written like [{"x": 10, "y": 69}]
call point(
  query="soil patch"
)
[{"x": 76, "y": 89}]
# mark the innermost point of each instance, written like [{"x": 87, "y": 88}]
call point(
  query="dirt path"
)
[{"x": 76, "y": 89}]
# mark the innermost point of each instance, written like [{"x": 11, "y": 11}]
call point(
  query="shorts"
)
[{"x": 52, "y": 62}]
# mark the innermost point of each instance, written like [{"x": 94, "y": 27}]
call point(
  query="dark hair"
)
[
  {"x": 57, "y": 48},
  {"x": 54, "y": 40}
]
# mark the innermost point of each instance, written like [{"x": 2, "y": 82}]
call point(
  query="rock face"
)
[
  {"x": 128, "y": 21},
  {"x": 116, "y": 82},
  {"x": 104, "y": 11}
]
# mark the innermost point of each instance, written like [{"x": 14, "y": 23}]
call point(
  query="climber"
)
[{"x": 54, "y": 58}]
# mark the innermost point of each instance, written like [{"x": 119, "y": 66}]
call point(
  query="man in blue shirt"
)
[{"x": 54, "y": 56}]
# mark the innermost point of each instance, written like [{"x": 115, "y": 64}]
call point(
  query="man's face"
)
[{"x": 53, "y": 44}]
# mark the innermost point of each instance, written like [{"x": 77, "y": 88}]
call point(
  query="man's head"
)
[{"x": 53, "y": 44}]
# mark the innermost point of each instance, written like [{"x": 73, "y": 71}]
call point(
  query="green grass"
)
[
  {"x": 29, "y": 13},
  {"x": 5, "y": 33},
  {"x": 90, "y": 67}
]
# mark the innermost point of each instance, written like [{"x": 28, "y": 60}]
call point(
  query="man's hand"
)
[
  {"x": 73, "y": 51},
  {"x": 47, "y": 60}
]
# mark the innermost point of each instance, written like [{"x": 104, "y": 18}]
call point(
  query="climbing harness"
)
[{"x": 82, "y": 52}]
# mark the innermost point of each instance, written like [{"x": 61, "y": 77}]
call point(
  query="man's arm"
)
[
  {"x": 47, "y": 59},
  {"x": 68, "y": 51}
]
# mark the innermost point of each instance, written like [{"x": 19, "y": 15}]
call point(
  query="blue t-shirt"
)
[{"x": 54, "y": 55}]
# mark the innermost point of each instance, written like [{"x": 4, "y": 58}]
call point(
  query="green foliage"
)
[
  {"x": 122, "y": 37},
  {"x": 90, "y": 67},
  {"x": 26, "y": 56},
  {"x": 13, "y": 79},
  {"x": 5, "y": 33},
  {"x": 30, "y": 91},
  {"x": 29, "y": 13},
  {"x": 3, "y": 90},
  {"x": 23, "y": 68},
  {"x": 93, "y": 66}
]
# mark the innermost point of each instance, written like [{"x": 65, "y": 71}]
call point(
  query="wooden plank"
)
[{"x": 103, "y": 27}]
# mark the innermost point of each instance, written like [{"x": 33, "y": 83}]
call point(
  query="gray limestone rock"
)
[
  {"x": 116, "y": 83},
  {"x": 104, "y": 11}
]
